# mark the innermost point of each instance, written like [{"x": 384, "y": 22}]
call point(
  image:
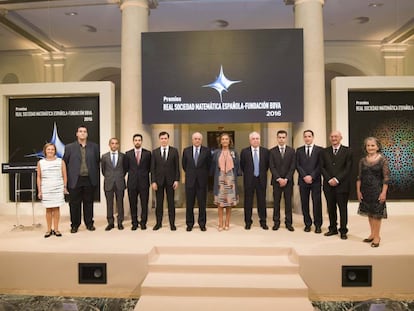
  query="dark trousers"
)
[
  {"x": 305, "y": 192},
  {"x": 191, "y": 193},
  {"x": 81, "y": 196},
  {"x": 261, "y": 202},
  {"x": 159, "y": 211},
  {"x": 143, "y": 194},
  {"x": 119, "y": 196},
  {"x": 277, "y": 195},
  {"x": 334, "y": 199}
]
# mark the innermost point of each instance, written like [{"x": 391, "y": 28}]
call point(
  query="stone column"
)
[
  {"x": 394, "y": 59},
  {"x": 309, "y": 17},
  {"x": 134, "y": 22},
  {"x": 53, "y": 65}
]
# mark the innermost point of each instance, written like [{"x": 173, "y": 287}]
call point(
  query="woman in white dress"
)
[{"x": 51, "y": 187}]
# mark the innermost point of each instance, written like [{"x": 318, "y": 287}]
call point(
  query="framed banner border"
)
[
  {"x": 104, "y": 89},
  {"x": 341, "y": 86}
]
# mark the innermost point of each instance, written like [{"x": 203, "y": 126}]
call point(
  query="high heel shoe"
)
[
  {"x": 368, "y": 240},
  {"x": 375, "y": 244},
  {"x": 226, "y": 228},
  {"x": 57, "y": 233},
  {"x": 220, "y": 228},
  {"x": 48, "y": 234}
]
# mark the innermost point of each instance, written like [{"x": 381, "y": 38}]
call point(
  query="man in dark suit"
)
[
  {"x": 196, "y": 162},
  {"x": 165, "y": 176},
  {"x": 336, "y": 166},
  {"x": 309, "y": 180},
  {"x": 82, "y": 163},
  {"x": 112, "y": 166},
  {"x": 138, "y": 166},
  {"x": 282, "y": 165},
  {"x": 254, "y": 163}
]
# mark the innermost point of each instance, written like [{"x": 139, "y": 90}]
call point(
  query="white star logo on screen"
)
[{"x": 221, "y": 84}]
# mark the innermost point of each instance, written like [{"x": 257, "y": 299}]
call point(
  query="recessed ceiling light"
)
[
  {"x": 71, "y": 13},
  {"x": 89, "y": 28},
  {"x": 375, "y": 4},
  {"x": 221, "y": 23},
  {"x": 361, "y": 19}
]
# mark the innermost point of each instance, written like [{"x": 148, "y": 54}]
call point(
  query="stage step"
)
[
  {"x": 162, "y": 303},
  {"x": 184, "y": 278},
  {"x": 224, "y": 284},
  {"x": 224, "y": 261}
]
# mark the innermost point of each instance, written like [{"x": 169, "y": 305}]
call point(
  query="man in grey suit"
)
[
  {"x": 282, "y": 165},
  {"x": 112, "y": 166},
  {"x": 82, "y": 162},
  {"x": 309, "y": 180},
  {"x": 196, "y": 163},
  {"x": 165, "y": 176}
]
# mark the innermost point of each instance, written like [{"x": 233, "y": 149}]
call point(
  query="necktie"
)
[
  {"x": 282, "y": 151},
  {"x": 335, "y": 151},
  {"x": 255, "y": 163},
  {"x": 138, "y": 156},
  {"x": 113, "y": 160},
  {"x": 308, "y": 151},
  {"x": 196, "y": 154},
  {"x": 164, "y": 154}
]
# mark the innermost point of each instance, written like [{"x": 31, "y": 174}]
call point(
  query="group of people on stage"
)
[{"x": 77, "y": 175}]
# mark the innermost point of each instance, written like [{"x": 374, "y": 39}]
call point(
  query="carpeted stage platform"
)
[{"x": 183, "y": 269}]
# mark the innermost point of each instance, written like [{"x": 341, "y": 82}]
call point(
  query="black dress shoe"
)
[
  {"x": 247, "y": 226},
  {"x": 329, "y": 233},
  {"x": 173, "y": 227},
  {"x": 307, "y": 229},
  {"x": 109, "y": 227},
  {"x": 203, "y": 228},
  {"x": 275, "y": 227},
  {"x": 91, "y": 228},
  {"x": 318, "y": 230},
  {"x": 120, "y": 227},
  {"x": 143, "y": 227},
  {"x": 265, "y": 227},
  {"x": 189, "y": 228},
  {"x": 344, "y": 236},
  {"x": 157, "y": 227},
  {"x": 374, "y": 244},
  {"x": 290, "y": 228},
  {"x": 134, "y": 227},
  {"x": 74, "y": 230}
]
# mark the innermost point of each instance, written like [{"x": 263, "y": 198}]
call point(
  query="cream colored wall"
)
[
  {"x": 409, "y": 61},
  {"x": 26, "y": 67},
  {"x": 80, "y": 63},
  {"x": 366, "y": 58}
]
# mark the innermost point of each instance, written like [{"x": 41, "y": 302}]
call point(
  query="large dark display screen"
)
[
  {"x": 222, "y": 76},
  {"x": 388, "y": 116}
]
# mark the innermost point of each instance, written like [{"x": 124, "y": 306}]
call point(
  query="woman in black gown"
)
[{"x": 372, "y": 186}]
